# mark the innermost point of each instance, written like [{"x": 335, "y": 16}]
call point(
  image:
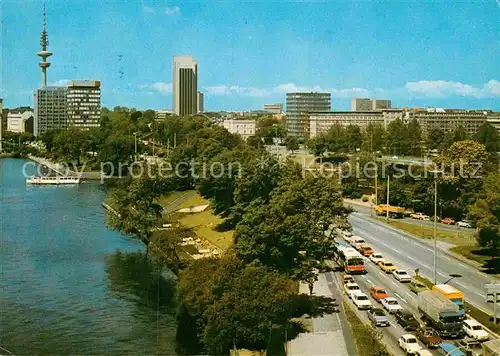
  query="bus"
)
[{"x": 349, "y": 259}]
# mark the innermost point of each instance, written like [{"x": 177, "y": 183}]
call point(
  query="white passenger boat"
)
[{"x": 53, "y": 180}]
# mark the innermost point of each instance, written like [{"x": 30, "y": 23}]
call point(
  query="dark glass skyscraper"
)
[{"x": 185, "y": 86}]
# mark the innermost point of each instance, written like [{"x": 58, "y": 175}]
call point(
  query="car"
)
[
  {"x": 387, "y": 266},
  {"x": 423, "y": 352},
  {"x": 361, "y": 300},
  {"x": 474, "y": 346},
  {"x": 351, "y": 288},
  {"x": 378, "y": 318},
  {"x": 366, "y": 250},
  {"x": 475, "y": 330},
  {"x": 406, "y": 319},
  {"x": 417, "y": 286},
  {"x": 391, "y": 304},
  {"x": 429, "y": 337},
  {"x": 420, "y": 216},
  {"x": 409, "y": 344},
  {"x": 356, "y": 240},
  {"x": 448, "y": 221},
  {"x": 346, "y": 278},
  {"x": 378, "y": 293},
  {"x": 464, "y": 224},
  {"x": 376, "y": 257},
  {"x": 402, "y": 276}
]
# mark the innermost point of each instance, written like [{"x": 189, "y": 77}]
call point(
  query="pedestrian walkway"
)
[{"x": 327, "y": 336}]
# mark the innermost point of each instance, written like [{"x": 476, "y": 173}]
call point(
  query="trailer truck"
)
[{"x": 440, "y": 313}]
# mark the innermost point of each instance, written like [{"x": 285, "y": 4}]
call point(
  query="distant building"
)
[
  {"x": 449, "y": 119},
  {"x": 367, "y": 104},
  {"x": 50, "y": 109},
  {"x": 185, "y": 85},
  {"x": 84, "y": 103},
  {"x": 494, "y": 119},
  {"x": 20, "y": 120},
  {"x": 199, "y": 101},
  {"x": 162, "y": 114},
  {"x": 380, "y": 104},
  {"x": 244, "y": 128},
  {"x": 361, "y": 104},
  {"x": 298, "y": 107},
  {"x": 321, "y": 122},
  {"x": 273, "y": 108}
]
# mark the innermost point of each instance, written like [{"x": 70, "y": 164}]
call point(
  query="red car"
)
[{"x": 448, "y": 221}]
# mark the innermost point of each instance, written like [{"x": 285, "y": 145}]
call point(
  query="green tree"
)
[
  {"x": 373, "y": 138},
  {"x": 435, "y": 138},
  {"x": 397, "y": 138},
  {"x": 70, "y": 145},
  {"x": 317, "y": 145},
  {"x": 353, "y": 138},
  {"x": 115, "y": 154},
  {"x": 414, "y": 135},
  {"x": 486, "y": 213},
  {"x": 487, "y": 134},
  {"x": 291, "y": 143},
  {"x": 255, "y": 142},
  {"x": 287, "y": 234}
]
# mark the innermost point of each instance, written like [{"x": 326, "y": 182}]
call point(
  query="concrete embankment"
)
[{"x": 64, "y": 169}]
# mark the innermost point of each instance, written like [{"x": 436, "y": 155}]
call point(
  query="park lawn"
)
[
  {"x": 457, "y": 238},
  {"x": 468, "y": 251},
  {"x": 204, "y": 225},
  {"x": 165, "y": 200},
  {"x": 194, "y": 200}
]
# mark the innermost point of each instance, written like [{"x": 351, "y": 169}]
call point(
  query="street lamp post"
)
[
  {"x": 435, "y": 232},
  {"x": 135, "y": 146},
  {"x": 388, "y": 189}
]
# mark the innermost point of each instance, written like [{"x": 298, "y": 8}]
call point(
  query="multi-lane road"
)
[{"x": 411, "y": 253}]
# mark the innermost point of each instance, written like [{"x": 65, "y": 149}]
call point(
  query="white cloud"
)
[
  {"x": 148, "y": 10},
  {"x": 443, "y": 89},
  {"x": 282, "y": 89},
  {"x": 174, "y": 10},
  {"x": 163, "y": 88},
  {"x": 60, "y": 83}
]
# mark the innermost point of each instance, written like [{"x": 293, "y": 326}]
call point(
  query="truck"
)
[
  {"x": 452, "y": 293},
  {"x": 395, "y": 212},
  {"x": 440, "y": 313},
  {"x": 491, "y": 348}
]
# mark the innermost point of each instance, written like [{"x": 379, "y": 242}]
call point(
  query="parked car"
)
[
  {"x": 391, "y": 304},
  {"x": 423, "y": 352},
  {"x": 378, "y": 318},
  {"x": 474, "y": 346},
  {"x": 378, "y": 293},
  {"x": 402, "y": 276},
  {"x": 376, "y": 257},
  {"x": 351, "y": 288},
  {"x": 417, "y": 286},
  {"x": 448, "y": 221},
  {"x": 429, "y": 337},
  {"x": 361, "y": 300},
  {"x": 475, "y": 330},
  {"x": 346, "y": 278},
  {"x": 406, "y": 319},
  {"x": 420, "y": 216},
  {"x": 409, "y": 344},
  {"x": 464, "y": 224},
  {"x": 387, "y": 266}
]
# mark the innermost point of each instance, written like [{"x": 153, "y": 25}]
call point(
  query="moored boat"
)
[{"x": 53, "y": 180}]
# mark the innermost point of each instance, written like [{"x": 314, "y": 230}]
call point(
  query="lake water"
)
[{"x": 68, "y": 285}]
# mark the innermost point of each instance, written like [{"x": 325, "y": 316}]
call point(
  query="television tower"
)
[{"x": 44, "y": 54}]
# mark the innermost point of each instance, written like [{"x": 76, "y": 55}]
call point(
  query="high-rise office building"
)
[
  {"x": 381, "y": 104},
  {"x": 273, "y": 108},
  {"x": 200, "y": 103},
  {"x": 185, "y": 85},
  {"x": 367, "y": 104},
  {"x": 361, "y": 104},
  {"x": 50, "y": 109},
  {"x": 298, "y": 107},
  {"x": 84, "y": 103}
]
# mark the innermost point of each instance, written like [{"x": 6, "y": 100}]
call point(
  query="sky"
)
[{"x": 417, "y": 53}]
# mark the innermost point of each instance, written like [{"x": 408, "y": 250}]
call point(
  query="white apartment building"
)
[
  {"x": 244, "y": 128},
  {"x": 273, "y": 108},
  {"x": 321, "y": 122},
  {"x": 20, "y": 121}
]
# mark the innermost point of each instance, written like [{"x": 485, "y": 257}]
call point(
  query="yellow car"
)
[{"x": 386, "y": 266}]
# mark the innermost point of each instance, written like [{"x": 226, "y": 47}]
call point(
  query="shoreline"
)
[{"x": 93, "y": 175}]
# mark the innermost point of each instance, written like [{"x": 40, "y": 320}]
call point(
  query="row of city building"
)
[{"x": 310, "y": 114}]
